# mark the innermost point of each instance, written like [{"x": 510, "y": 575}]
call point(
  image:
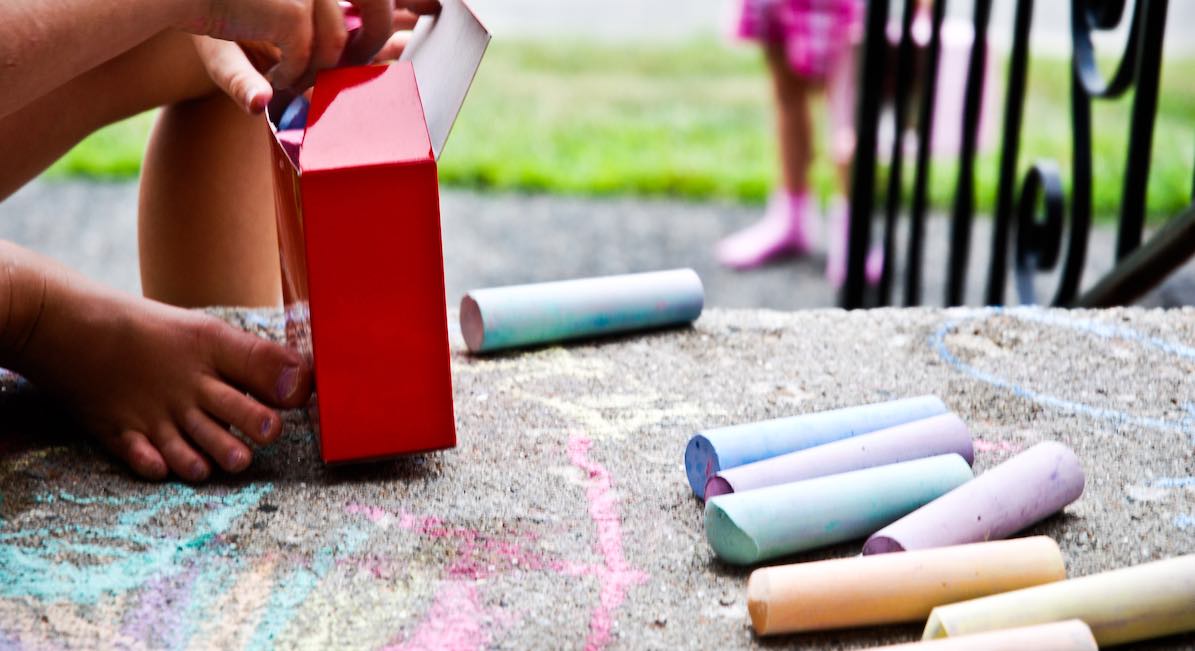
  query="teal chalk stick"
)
[
  {"x": 714, "y": 450},
  {"x": 753, "y": 526},
  {"x": 527, "y": 315}
]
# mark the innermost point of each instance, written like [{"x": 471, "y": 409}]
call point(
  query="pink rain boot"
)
[
  {"x": 782, "y": 232},
  {"x": 836, "y": 241}
]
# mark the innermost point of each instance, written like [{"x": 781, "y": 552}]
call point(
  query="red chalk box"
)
[{"x": 357, "y": 203}]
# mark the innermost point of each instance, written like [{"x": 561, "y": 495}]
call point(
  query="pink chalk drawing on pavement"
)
[
  {"x": 457, "y": 620},
  {"x": 454, "y": 622},
  {"x": 615, "y": 576}
]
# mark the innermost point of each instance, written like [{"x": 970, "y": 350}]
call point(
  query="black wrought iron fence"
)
[{"x": 1048, "y": 225}]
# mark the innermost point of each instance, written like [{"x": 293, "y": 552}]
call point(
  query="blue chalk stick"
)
[
  {"x": 718, "y": 449},
  {"x": 295, "y": 115}
]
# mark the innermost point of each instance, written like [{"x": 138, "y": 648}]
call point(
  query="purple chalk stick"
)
[
  {"x": 944, "y": 434},
  {"x": 1025, "y": 489}
]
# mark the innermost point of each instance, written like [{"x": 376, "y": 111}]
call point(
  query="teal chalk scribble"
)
[
  {"x": 80, "y": 562},
  {"x": 291, "y": 591}
]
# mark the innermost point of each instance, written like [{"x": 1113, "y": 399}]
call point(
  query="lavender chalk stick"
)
[
  {"x": 714, "y": 450},
  {"x": 525, "y": 315},
  {"x": 1002, "y": 501},
  {"x": 754, "y": 526},
  {"x": 916, "y": 440}
]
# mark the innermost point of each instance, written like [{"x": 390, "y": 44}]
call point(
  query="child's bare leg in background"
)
[
  {"x": 157, "y": 385},
  {"x": 206, "y": 224},
  {"x": 840, "y": 108},
  {"x": 784, "y": 230}
]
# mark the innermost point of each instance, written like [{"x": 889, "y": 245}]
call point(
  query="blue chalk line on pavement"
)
[
  {"x": 81, "y": 563},
  {"x": 937, "y": 341}
]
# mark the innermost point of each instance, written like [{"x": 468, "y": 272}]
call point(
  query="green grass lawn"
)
[{"x": 694, "y": 121}]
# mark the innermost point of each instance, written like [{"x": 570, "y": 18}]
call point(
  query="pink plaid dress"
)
[{"x": 813, "y": 32}]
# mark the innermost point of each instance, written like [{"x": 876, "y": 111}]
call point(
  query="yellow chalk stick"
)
[
  {"x": 1071, "y": 635},
  {"x": 1126, "y": 605},
  {"x": 887, "y": 588}
]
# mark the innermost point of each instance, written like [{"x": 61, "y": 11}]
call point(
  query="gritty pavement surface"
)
[
  {"x": 512, "y": 238},
  {"x": 563, "y": 518}
]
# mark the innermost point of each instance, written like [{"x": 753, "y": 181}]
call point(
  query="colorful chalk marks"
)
[
  {"x": 83, "y": 561},
  {"x": 1102, "y": 331}
]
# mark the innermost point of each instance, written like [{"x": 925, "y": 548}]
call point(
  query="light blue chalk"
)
[
  {"x": 757, "y": 525},
  {"x": 526, "y": 315},
  {"x": 713, "y": 450}
]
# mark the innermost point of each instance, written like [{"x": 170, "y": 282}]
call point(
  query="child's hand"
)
[
  {"x": 283, "y": 43},
  {"x": 406, "y": 13}
]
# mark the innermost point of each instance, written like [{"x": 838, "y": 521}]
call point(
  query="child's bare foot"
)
[
  {"x": 836, "y": 243},
  {"x": 157, "y": 385}
]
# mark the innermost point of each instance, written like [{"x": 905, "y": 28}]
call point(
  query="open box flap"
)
[{"x": 445, "y": 51}]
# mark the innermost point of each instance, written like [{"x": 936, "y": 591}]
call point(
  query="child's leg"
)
[
  {"x": 794, "y": 124},
  {"x": 840, "y": 106},
  {"x": 784, "y": 228},
  {"x": 206, "y": 226},
  {"x": 207, "y": 220},
  {"x": 153, "y": 383},
  {"x": 160, "y": 71}
]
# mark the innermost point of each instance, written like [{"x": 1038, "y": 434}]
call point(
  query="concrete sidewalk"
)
[
  {"x": 511, "y": 238},
  {"x": 563, "y": 518}
]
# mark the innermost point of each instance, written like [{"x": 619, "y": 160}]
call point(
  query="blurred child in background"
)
[{"x": 809, "y": 48}]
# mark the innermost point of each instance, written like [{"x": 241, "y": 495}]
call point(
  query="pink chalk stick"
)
[
  {"x": 1004, "y": 500},
  {"x": 928, "y": 437}
]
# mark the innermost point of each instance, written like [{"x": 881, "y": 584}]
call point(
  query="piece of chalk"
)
[
  {"x": 891, "y": 588},
  {"x": 1000, "y": 502},
  {"x": 753, "y": 526},
  {"x": 525, "y": 315},
  {"x": 715, "y": 450},
  {"x": 1071, "y": 635},
  {"x": 916, "y": 440},
  {"x": 295, "y": 115},
  {"x": 1126, "y": 605}
]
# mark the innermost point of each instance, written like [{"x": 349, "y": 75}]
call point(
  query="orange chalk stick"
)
[{"x": 889, "y": 588}]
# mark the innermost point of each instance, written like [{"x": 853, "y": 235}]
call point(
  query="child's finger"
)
[
  {"x": 330, "y": 38},
  {"x": 294, "y": 43},
  {"x": 393, "y": 48},
  {"x": 376, "y": 27},
  {"x": 225, "y": 449},
  {"x": 422, "y": 7},
  {"x": 232, "y": 71},
  {"x": 136, "y": 450},
  {"x": 404, "y": 20},
  {"x": 179, "y": 455}
]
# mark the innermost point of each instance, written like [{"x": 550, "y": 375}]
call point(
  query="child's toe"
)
[
  {"x": 225, "y": 449},
  {"x": 180, "y": 456},
  {"x": 253, "y": 419},
  {"x": 274, "y": 374},
  {"x": 136, "y": 450}
]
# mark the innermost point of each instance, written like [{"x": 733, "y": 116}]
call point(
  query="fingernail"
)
[
  {"x": 265, "y": 427},
  {"x": 288, "y": 382},
  {"x": 257, "y": 101}
]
